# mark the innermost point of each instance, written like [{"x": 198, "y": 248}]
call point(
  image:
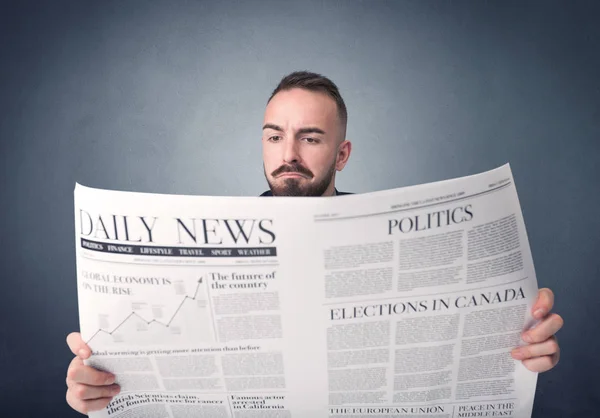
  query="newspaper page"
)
[{"x": 398, "y": 303}]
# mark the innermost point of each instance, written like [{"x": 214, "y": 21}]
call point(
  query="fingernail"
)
[
  {"x": 539, "y": 314},
  {"x": 83, "y": 352},
  {"x": 109, "y": 380},
  {"x": 116, "y": 391},
  {"x": 526, "y": 338},
  {"x": 518, "y": 354}
]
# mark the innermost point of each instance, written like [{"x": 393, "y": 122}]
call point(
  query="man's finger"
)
[
  {"x": 546, "y": 348},
  {"x": 87, "y": 392},
  {"x": 542, "y": 364},
  {"x": 544, "y": 330},
  {"x": 75, "y": 363},
  {"x": 87, "y": 375},
  {"x": 544, "y": 303},
  {"x": 78, "y": 346},
  {"x": 86, "y": 406}
]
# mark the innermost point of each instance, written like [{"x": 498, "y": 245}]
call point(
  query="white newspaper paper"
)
[{"x": 399, "y": 303}]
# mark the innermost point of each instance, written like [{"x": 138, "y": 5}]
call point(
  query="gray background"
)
[{"x": 169, "y": 96}]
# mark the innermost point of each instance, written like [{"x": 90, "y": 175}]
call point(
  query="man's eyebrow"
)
[
  {"x": 272, "y": 126},
  {"x": 301, "y": 131},
  {"x": 311, "y": 130}
]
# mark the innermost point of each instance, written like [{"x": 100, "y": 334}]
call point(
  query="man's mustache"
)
[{"x": 293, "y": 168}]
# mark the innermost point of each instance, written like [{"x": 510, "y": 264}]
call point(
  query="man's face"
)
[{"x": 303, "y": 143}]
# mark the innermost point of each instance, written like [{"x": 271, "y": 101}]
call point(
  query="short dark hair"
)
[{"x": 314, "y": 82}]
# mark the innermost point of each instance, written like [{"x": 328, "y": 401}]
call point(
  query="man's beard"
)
[{"x": 293, "y": 187}]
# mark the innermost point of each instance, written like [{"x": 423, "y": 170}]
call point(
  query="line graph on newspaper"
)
[{"x": 174, "y": 311}]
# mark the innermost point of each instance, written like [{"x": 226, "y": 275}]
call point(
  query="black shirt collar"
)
[{"x": 337, "y": 193}]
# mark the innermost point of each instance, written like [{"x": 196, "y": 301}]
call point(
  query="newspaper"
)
[{"x": 398, "y": 303}]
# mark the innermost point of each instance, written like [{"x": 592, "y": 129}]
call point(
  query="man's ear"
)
[{"x": 343, "y": 153}]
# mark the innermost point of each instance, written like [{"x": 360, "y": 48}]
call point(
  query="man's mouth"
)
[
  {"x": 292, "y": 171},
  {"x": 292, "y": 175}
]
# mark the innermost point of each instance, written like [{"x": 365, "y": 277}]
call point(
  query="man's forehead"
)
[{"x": 297, "y": 108}]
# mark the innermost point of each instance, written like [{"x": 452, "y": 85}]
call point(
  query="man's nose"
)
[{"x": 291, "y": 152}]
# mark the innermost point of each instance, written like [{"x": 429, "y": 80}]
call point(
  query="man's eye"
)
[
  {"x": 311, "y": 140},
  {"x": 274, "y": 138}
]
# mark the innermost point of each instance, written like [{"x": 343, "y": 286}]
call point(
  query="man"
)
[{"x": 304, "y": 146}]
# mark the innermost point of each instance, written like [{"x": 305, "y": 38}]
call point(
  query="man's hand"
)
[
  {"x": 542, "y": 352},
  {"x": 89, "y": 389}
]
